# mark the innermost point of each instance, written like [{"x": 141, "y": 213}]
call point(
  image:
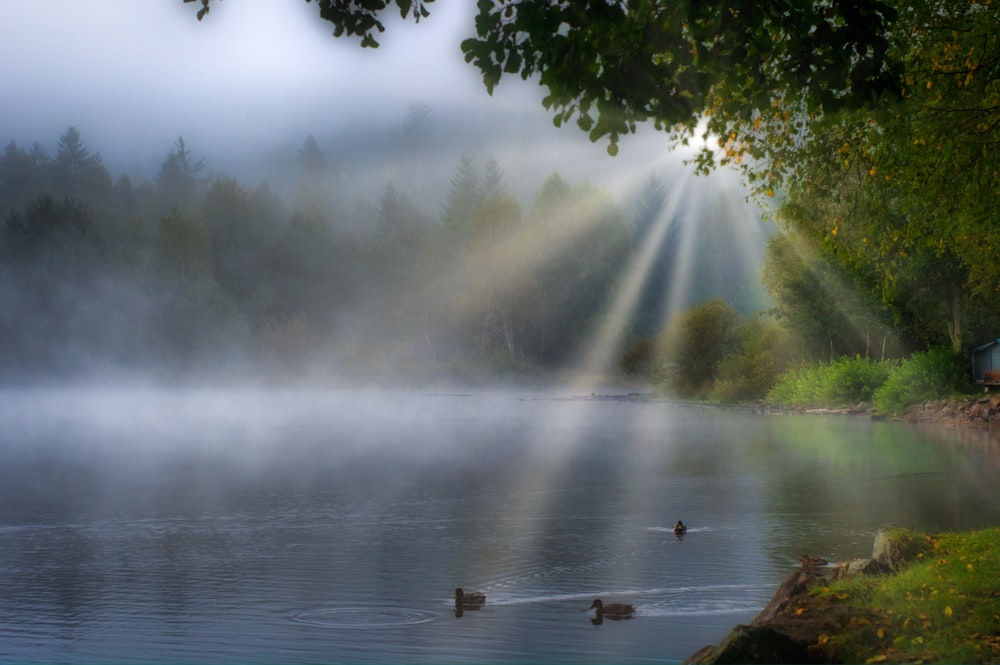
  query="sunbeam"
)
[{"x": 603, "y": 343}]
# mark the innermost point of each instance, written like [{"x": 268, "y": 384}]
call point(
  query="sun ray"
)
[{"x": 604, "y": 342}]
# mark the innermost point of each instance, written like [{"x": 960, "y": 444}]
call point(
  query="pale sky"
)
[
  {"x": 147, "y": 69},
  {"x": 133, "y": 75}
]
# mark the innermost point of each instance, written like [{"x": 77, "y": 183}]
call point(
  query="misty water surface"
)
[{"x": 332, "y": 526}]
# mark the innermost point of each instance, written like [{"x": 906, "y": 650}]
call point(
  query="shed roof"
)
[{"x": 985, "y": 346}]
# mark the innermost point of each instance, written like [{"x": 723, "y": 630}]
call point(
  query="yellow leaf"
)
[
  {"x": 823, "y": 639},
  {"x": 871, "y": 171},
  {"x": 881, "y": 633},
  {"x": 947, "y": 611},
  {"x": 881, "y": 658},
  {"x": 834, "y": 231}
]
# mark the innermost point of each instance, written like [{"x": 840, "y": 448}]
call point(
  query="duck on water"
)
[
  {"x": 469, "y": 598},
  {"x": 612, "y": 610}
]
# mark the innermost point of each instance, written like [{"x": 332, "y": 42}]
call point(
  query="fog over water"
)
[{"x": 237, "y": 525}]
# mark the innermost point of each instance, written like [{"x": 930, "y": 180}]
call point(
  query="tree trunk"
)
[{"x": 955, "y": 328}]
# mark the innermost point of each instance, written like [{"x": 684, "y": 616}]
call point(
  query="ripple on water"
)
[{"x": 364, "y": 616}]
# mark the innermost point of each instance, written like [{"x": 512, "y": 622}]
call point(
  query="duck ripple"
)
[{"x": 363, "y": 616}]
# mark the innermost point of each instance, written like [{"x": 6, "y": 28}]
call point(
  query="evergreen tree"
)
[
  {"x": 177, "y": 180},
  {"x": 398, "y": 217},
  {"x": 24, "y": 175},
  {"x": 185, "y": 247},
  {"x": 315, "y": 191},
  {"x": 242, "y": 226},
  {"x": 124, "y": 194},
  {"x": 464, "y": 195},
  {"x": 493, "y": 184},
  {"x": 20, "y": 178},
  {"x": 77, "y": 173},
  {"x": 552, "y": 199},
  {"x": 55, "y": 237},
  {"x": 310, "y": 157},
  {"x": 417, "y": 127}
]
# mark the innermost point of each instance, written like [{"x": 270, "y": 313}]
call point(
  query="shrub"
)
[
  {"x": 854, "y": 380},
  {"x": 692, "y": 345},
  {"x": 760, "y": 351},
  {"x": 843, "y": 382},
  {"x": 637, "y": 360},
  {"x": 923, "y": 376}
]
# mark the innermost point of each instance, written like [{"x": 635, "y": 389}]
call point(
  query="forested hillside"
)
[{"x": 192, "y": 274}]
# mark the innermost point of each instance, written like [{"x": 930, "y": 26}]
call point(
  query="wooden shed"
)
[{"x": 986, "y": 364}]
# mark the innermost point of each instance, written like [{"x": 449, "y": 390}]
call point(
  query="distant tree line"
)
[{"x": 191, "y": 274}]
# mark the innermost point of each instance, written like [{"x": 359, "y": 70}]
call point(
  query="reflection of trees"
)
[
  {"x": 863, "y": 475},
  {"x": 54, "y": 569}
]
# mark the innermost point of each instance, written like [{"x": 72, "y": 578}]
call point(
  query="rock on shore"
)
[{"x": 981, "y": 411}]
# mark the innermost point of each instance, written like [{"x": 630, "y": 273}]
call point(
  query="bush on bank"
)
[
  {"x": 924, "y": 376},
  {"x": 843, "y": 382},
  {"x": 890, "y": 385}
]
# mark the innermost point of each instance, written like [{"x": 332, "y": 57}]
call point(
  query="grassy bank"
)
[{"x": 942, "y": 606}]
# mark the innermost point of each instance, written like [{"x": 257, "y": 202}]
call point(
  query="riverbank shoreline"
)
[
  {"x": 978, "y": 411},
  {"x": 794, "y": 626},
  {"x": 919, "y": 598}
]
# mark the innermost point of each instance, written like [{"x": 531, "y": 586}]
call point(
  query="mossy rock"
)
[{"x": 895, "y": 548}]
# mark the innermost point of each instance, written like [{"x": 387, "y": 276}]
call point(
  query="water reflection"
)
[{"x": 322, "y": 527}]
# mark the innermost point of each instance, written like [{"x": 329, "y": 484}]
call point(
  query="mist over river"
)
[{"x": 266, "y": 526}]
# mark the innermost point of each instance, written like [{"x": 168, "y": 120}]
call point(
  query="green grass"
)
[{"x": 944, "y": 606}]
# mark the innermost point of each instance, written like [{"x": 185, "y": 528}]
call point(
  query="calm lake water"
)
[{"x": 333, "y": 526}]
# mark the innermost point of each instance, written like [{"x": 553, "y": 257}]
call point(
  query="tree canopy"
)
[
  {"x": 901, "y": 197},
  {"x": 613, "y": 65}
]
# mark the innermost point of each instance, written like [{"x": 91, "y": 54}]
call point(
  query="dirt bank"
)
[{"x": 982, "y": 411}]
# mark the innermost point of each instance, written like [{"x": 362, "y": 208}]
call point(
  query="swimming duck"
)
[
  {"x": 469, "y": 597},
  {"x": 679, "y": 528},
  {"x": 612, "y": 610}
]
